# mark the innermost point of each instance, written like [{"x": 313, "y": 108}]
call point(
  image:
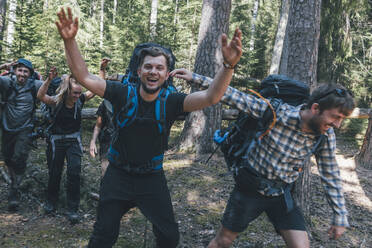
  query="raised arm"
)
[
  {"x": 67, "y": 27},
  {"x": 42, "y": 92},
  {"x": 231, "y": 52},
  {"x": 102, "y": 67}
]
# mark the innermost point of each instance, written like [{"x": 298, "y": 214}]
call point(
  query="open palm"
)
[
  {"x": 67, "y": 26},
  {"x": 232, "y": 51}
]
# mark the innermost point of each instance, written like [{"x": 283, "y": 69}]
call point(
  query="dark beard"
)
[
  {"x": 314, "y": 125},
  {"x": 149, "y": 91}
]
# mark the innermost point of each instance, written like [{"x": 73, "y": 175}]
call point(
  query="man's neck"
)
[
  {"x": 305, "y": 117},
  {"x": 148, "y": 97}
]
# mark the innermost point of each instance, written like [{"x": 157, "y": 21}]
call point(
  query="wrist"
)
[{"x": 228, "y": 65}]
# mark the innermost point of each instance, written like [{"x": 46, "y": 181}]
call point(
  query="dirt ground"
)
[{"x": 199, "y": 195}]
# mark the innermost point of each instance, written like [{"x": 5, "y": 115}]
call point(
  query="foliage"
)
[
  {"x": 344, "y": 49},
  {"x": 345, "y": 46}
]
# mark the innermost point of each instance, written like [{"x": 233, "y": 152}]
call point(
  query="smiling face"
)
[
  {"x": 75, "y": 90},
  {"x": 22, "y": 73},
  {"x": 320, "y": 122},
  {"x": 153, "y": 73}
]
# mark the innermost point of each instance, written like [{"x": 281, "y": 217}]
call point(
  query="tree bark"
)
[
  {"x": 200, "y": 125},
  {"x": 303, "y": 37},
  {"x": 364, "y": 157},
  {"x": 153, "y": 19},
  {"x": 2, "y": 24},
  {"x": 280, "y": 35}
]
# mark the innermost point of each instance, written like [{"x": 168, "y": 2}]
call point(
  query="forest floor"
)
[{"x": 199, "y": 194}]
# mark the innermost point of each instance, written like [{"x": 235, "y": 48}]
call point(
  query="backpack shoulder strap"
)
[
  {"x": 318, "y": 144},
  {"x": 160, "y": 111},
  {"x": 128, "y": 112}
]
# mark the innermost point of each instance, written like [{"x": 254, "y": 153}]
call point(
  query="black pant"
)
[
  {"x": 120, "y": 192},
  {"x": 69, "y": 149},
  {"x": 15, "y": 148}
]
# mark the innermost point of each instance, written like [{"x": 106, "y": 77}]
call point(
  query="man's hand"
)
[
  {"x": 334, "y": 232},
  {"x": 233, "y": 50},
  {"x": 182, "y": 74},
  {"x": 52, "y": 73},
  {"x": 93, "y": 149},
  {"x": 67, "y": 26},
  {"x": 104, "y": 63}
]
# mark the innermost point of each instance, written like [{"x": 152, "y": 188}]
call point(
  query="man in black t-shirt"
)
[{"x": 124, "y": 186}]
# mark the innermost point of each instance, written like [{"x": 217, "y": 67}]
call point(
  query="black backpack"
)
[{"x": 239, "y": 138}]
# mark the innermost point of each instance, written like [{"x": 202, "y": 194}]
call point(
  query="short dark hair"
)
[
  {"x": 153, "y": 52},
  {"x": 330, "y": 96}
]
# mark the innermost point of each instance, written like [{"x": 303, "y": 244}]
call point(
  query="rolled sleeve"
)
[{"x": 235, "y": 98}]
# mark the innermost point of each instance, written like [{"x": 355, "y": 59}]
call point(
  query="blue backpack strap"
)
[
  {"x": 160, "y": 109},
  {"x": 128, "y": 112}
]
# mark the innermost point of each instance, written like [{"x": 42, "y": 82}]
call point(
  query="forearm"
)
[
  {"x": 102, "y": 73},
  {"x": 96, "y": 131},
  {"x": 220, "y": 83},
  {"x": 43, "y": 89},
  {"x": 80, "y": 71}
]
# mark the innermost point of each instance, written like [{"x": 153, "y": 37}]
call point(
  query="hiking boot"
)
[
  {"x": 49, "y": 207},
  {"x": 13, "y": 199},
  {"x": 72, "y": 216}
]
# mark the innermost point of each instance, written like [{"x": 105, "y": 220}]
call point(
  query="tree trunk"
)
[
  {"x": 2, "y": 24},
  {"x": 11, "y": 24},
  {"x": 253, "y": 25},
  {"x": 101, "y": 24},
  {"x": 364, "y": 158},
  {"x": 279, "y": 40},
  {"x": 153, "y": 19},
  {"x": 200, "y": 125},
  {"x": 175, "y": 22},
  {"x": 114, "y": 11},
  {"x": 303, "y": 36}
]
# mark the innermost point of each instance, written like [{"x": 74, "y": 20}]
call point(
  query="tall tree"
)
[
  {"x": 279, "y": 40},
  {"x": 364, "y": 157},
  {"x": 200, "y": 125},
  {"x": 253, "y": 24},
  {"x": 2, "y": 24},
  {"x": 11, "y": 24},
  {"x": 153, "y": 19},
  {"x": 101, "y": 24},
  {"x": 303, "y": 37}
]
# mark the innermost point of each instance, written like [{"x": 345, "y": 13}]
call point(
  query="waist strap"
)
[
  {"x": 270, "y": 187},
  {"x": 55, "y": 137}
]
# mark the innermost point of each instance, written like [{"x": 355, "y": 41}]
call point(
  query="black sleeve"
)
[
  {"x": 100, "y": 109},
  {"x": 82, "y": 98},
  {"x": 175, "y": 105},
  {"x": 116, "y": 93}
]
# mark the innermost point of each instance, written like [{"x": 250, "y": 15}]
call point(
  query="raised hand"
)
[
  {"x": 182, "y": 74},
  {"x": 232, "y": 51},
  {"x": 104, "y": 63},
  {"x": 67, "y": 26},
  {"x": 52, "y": 73}
]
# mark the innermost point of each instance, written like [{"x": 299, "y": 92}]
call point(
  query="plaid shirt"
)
[{"x": 284, "y": 150}]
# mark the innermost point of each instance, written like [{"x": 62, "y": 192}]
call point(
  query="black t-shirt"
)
[
  {"x": 107, "y": 127},
  {"x": 66, "y": 122},
  {"x": 141, "y": 140}
]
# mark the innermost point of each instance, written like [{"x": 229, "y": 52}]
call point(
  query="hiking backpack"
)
[
  {"x": 241, "y": 136},
  {"x": 127, "y": 114}
]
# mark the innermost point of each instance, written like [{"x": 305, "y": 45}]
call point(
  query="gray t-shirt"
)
[{"x": 17, "y": 114}]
